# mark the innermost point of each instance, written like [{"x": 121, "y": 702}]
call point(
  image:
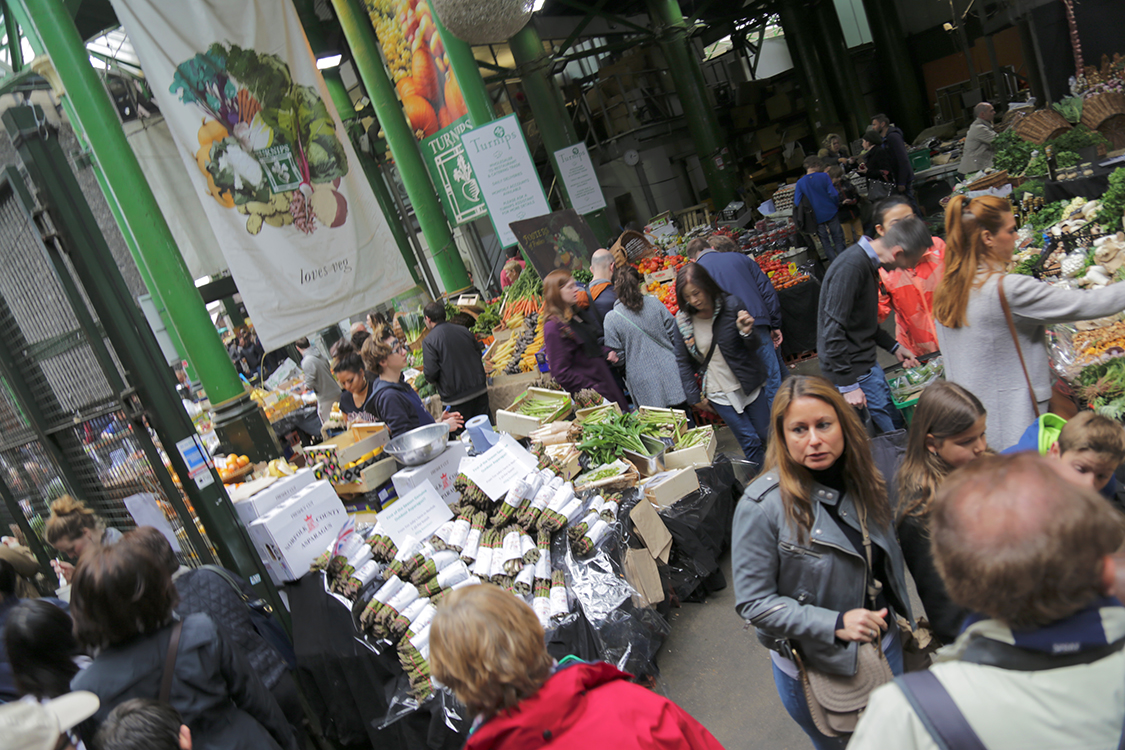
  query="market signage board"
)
[
  {"x": 579, "y": 178},
  {"x": 498, "y": 468},
  {"x": 418, "y": 513},
  {"x": 451, "y": 172},
  {"x": 502, "y": 162},
  {"x": 562, "y": 239},
  {"x": 264, "y": 149}
]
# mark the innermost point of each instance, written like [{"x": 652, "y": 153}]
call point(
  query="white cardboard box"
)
[
  {"x": 292, "y": 535},
  {"x": 441, "y": 472},
  {"x": 274, "y": 494}
]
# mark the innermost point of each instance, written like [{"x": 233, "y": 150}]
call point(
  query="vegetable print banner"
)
[
  {"x": 294, "y": 216},
  {"x": 431, "y": 98}
]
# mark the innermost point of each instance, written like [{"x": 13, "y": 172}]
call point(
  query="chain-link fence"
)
[{"x": 63, "y": 424}]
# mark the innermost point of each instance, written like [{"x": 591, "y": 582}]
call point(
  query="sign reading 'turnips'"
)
[{"x": 503, "y": 166}]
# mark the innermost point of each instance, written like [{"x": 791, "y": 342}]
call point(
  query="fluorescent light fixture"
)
[
  {"x": 538, "y": 6},
  {"x": 328, "y": 61},
  {"x": 202, "y": 280}
]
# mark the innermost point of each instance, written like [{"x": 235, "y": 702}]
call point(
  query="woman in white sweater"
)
[{"x": 972, "y": 329}]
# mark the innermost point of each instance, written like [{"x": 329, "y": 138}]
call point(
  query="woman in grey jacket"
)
[
  {"x": 642, "y": 332},
  {"x": 973, "y": 331},
  {"x": 800, "y": 568}
]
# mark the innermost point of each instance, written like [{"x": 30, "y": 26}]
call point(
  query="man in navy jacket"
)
[
  {"x": 740, "y": 276},
  {"x": 816, "y": 187}
]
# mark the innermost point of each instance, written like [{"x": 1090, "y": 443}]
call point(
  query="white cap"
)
[{"x": 37, "y": 726}]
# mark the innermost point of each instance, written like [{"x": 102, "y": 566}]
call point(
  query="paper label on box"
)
[
  {"x": 419, "y": 513},
  {"x": 146, "y": 512},
  {"x": 500, "y": 467}
]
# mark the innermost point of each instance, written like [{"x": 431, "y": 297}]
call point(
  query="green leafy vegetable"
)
[
  {"x": 265, "y": 76},
  {"x": 1070, "y": 108},
  {"x": 1103, "y": 387},
  {"x": 1113, "y": 202},
  {"x": 1078, "y": 138},
  {"x": 1011, "y": 152}
]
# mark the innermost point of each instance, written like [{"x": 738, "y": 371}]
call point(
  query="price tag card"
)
[
  {"x": 496, "y": 470},
  {"x": 419, "y": 513}
]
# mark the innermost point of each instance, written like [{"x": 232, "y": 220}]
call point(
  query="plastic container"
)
[{"x": 650, "y": 464}]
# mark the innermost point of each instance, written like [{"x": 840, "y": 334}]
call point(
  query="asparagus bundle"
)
[
  {"x": 441, "y": 537},
  {"x": 511, "y": 554},
  {"x": 609, "y": 511},
  {"x": 576, "y": 532},
  {"x": 542, "y": 602},
  {"x": 528, "y": 551},
  {"x": 433, "y": 565},
  {"x": 550, "y": 518},
  {"x": 461, "y": 528},
  {"x": 417, "y": 670},
  {"x": 521, "y": 586},
  {"x": 340, "y": 580},
  {"x": 395, "y": 605},
  {"x": 402, "y": 621},
  {"x": 381, "y": 544},
  {"x": 472, "y": 543},
  {"x": 543, "y": 565},
  {"x": 529, "y": 516},
  {"x": 452, "y": 575},
  {"x": 586, "y": 543},
  {"x": 482, "y": 567},
  {"x": 360, "y": 578},
  {"x": 560, "y": 605},
  {"x": 517, "y": 495},
  {"x": 379, "y": 600},
  {"x": 470, "y": 581},
  {"x": 471, "y": 493},
  {"x": 410, "y": 547}
]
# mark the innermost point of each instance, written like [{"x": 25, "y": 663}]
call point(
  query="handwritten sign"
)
[
  {"x": 499, "y": 467},
  {"x": 419, "y": 513},
  {"x": 506, "y": 173},
  {"x": 562, "y": 239},
  {"x": 580, "y": 179}
]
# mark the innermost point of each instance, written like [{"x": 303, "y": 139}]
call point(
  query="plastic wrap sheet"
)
[
  {"x": 350, "y": 686},
  {"x": 700, "y": 525}
]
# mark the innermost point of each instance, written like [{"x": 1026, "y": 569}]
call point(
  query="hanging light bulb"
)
[{"x": 484, "y": 21}]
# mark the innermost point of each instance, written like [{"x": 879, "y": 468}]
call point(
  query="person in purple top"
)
[
  {"x": 570, "y": 339},
  {"x": 817, "y": 188}
]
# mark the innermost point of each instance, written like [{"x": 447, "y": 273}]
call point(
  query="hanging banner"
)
[
  {"x": 508, "y": 180},
  {"x": 578, "y": 176},
  {"x": 559, "y": 240},
  {"x": 431, "y": 98},
  {"x": 280, "y": 184}
]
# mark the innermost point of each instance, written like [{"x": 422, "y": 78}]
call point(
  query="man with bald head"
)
[
  {"x": 602, "y": 295},
  {"x": 1040, "y": 664},
  {"x": 978, "y": 151}
]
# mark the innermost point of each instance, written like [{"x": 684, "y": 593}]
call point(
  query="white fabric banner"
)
[{"x": 278, "y": 179}]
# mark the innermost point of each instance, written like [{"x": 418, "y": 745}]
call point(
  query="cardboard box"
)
[
  {"x": 695, "y": 457},
  {"x": 292, "y": 535},
  {"x": 520, "y": 425},
  {"x": 441, "y": 472},
  {"x": 779, "y": 106},
  {"x": 580, "y": 415},
  {"x": 252, "y": 503},
  {"x": 666, "y": 489},
  {"x": 768, "y": 138},
  {"x": 743, "y": 117},
  {"x": 343, "y": 449},
  {"x": 371, "y": 477}
]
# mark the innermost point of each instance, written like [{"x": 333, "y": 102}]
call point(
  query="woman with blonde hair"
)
[
  {"x": 817, "y": 568},
  {"x": 572, "y": 341},
  {"x": 946, "y": 433},
  {"x": 71, "y": 528},
  {"x": 487, "y": 646},
  {"x": 999, "y": 354}
]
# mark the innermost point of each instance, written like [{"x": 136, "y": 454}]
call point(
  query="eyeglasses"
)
[{"x": 396, "y": 345}]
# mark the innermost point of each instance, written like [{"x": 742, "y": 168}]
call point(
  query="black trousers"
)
[{"x": 473, "y": 407}]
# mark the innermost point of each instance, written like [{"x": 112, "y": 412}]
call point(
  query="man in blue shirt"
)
[
  {"x": 738, "y": 275},
  {"x": 817, "y": 188}
]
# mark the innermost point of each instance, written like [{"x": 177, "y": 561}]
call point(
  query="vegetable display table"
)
[{"x": 1093, "y": 186}]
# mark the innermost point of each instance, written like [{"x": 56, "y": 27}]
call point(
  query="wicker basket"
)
[
  {"x": 1100, "y": 107},
  {"x": 993, "y": 180},
  {"x": 1042, "y": 125}
]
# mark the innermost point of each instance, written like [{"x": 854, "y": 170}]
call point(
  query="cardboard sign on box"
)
[
  {"x": 292, "y": 535},
  {"x": 270, "y": 496},
  {"x": 440, "y": 472}
]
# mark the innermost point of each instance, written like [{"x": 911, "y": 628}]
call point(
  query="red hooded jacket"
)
[{"x": 593, "y": 705}]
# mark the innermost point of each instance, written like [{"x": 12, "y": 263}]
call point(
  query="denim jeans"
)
[
  {"x": 831, "y": 237},
  {"x": 793, "y": 698},
  {"x": 751, "y": 428},
  {"x": 879, "y": 405},
  {"x": 772, "y": 360}
]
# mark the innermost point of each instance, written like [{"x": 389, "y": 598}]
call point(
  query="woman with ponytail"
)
[{"x": 980, "y": 350}]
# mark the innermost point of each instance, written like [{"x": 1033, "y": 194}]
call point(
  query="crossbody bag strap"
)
[
  {"x": 874, "y": 585},
  {"x": 170, "y": 662},
  {"x": 221, "y": 573},
  {"x": 1015, "y": 340},
  {"x": 936, "y": 710},
  {"x": 664, "y": 345}
]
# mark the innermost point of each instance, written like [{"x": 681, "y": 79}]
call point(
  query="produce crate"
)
[
  {"x": 335, "y": 452},
  {"x": 666, "y": 489},
  {"x": 695, "y": 457},
  {"x": 783, "y": 198},
  {"x": 580, "y": 415},
  {"x": 679, "y": 413},
  {"x": 663, "y": 277},
  {"x": 520, "y": 425},
  {"x": 920, "y": 159},
  {"x": 906, "y": 408},
  {"x": 371, "y": 478}
]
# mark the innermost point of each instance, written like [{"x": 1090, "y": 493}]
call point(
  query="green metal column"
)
[
  {"x": 555, "y": 126},
  {"x": 404, "y": 147},
  {"x": 811, "y": 75},
  {"x": 56, "y": 31},
  {"x": 125, "y": 326},
  {"x": 469, "y": 79},
  {"x": 908, "y": 106},
  {"x": 12, "y": 29},
  {"x": 339, "y": 93},
  {"x": 841, "y": 70},
  {"x": 674, "y": 36}
]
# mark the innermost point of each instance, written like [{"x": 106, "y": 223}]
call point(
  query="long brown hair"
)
[
  {"x": 627, "y": 287},
  {"x": 965, "y": 252},
  {"x": 554, "y": 306},
  {"x": 863, "y": 481},
  {"x": 944, "y": 409}
]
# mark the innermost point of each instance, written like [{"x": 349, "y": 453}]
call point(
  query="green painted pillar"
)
[
  {"x": 816, "y": 91},
  {"x": 555, "y": 126},
  {"x": 674, "y": 36},
  {"x": 841, "y": 70},
  {"x": 908, "y": 105},
  {"x": 339, "y": 93},
  {"x": 404, "y": 147},
  {"x": 12, "y": 29},
  {"x": 230, "y": 307},
  {"x": 465, "y": 68},
  {"x": 59, "y": 37}
]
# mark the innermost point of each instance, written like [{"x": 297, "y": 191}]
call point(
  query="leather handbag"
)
[
  {"x": 836, "y": 702},
  {"x": 1015, "y": 340}
]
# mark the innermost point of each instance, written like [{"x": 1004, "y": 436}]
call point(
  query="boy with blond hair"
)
[{"x": 1089, "y": 448}]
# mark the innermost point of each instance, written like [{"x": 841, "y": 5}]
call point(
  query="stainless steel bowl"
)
[
  {"x": 651, "y": 462},
  {"x": 420, "y": 445}
]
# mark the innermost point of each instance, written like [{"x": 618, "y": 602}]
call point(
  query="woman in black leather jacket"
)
[{"x": 800, "y": 564}]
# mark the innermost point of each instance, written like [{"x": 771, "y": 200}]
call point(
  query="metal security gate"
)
[{"x": 70, "y": 421}]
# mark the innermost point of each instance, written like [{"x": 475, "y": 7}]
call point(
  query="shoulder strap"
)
[
  {"x": 228, "y": 578},
  {"x": 170, "y": 662},
  {"x": 664, "y": 345},
  {"x": 1016, "y": 341},
  {"x": 937, "y": 711}
]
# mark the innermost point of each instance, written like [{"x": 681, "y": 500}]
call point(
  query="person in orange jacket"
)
[{"x": 909, "y": 292}]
